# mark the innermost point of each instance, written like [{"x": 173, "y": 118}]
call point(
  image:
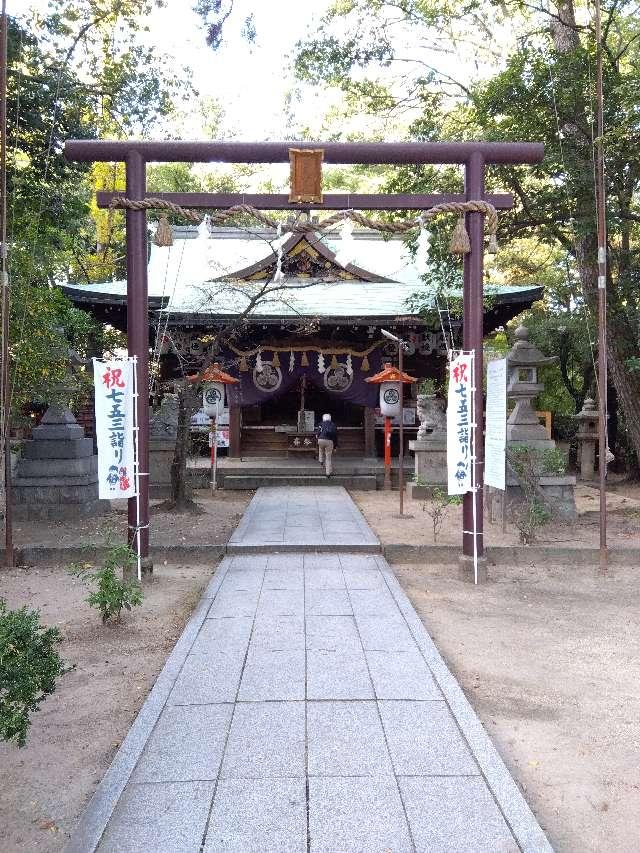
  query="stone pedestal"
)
[
  {"x": 430, "y": 460},
  {"x": 430, "y": 445},
  {"x": 57, "y": 475},
  {"x": 558, "y": 493},
  {"x": 161, "y": 451},
  {"x": 163, "y": 429}
]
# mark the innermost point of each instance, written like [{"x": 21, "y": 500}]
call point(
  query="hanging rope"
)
[{"x": 460, "y": 242}]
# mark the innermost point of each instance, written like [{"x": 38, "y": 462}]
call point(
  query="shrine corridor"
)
[{"x": 305, "y": 708}]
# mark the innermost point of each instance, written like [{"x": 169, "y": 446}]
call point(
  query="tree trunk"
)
[
  {"x": 181, "y": 499},
  {"x": 621, "y": 343}
]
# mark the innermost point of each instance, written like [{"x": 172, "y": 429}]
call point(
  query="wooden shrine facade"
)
[{"x": 308, "y": 347}]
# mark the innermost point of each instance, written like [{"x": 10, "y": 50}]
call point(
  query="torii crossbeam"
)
[{"x": 473, "y": 156}]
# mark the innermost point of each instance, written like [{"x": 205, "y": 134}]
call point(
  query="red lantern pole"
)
[{"x": 387, "y": 453}]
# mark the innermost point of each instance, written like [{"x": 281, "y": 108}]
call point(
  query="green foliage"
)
[
  {"x": 436, "y": 508},
  {"x": 539, "y": 85},
  {"x": 427, "y": 386},
  {"x": 29, "y": 669},
  {"x": 110, "y": 594},
  {"x": 77, "y": 70}
]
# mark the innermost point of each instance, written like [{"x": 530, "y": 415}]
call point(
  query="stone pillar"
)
[
  {"x": 587, "y": 437},
  {"x": 57, "y": 475},
  {"x": 369, "y": 433},
  {"x": 235, "y": 431}
]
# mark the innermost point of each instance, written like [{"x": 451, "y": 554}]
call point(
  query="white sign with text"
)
[{"x": 495, "y": 442}]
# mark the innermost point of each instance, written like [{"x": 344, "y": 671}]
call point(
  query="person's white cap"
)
[{"x": 326, "y": 417}]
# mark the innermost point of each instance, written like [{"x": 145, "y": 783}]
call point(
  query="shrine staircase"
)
[{"x": 252, "y": 473}]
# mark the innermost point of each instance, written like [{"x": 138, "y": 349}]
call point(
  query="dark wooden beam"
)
[
  {"x": 111, "y": 151},
  {"x": 334, "y": 201}
]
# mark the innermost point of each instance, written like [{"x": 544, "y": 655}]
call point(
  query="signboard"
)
[
  {"x": 306, "y": 420},
  {"x": 114, "y": 383},
  {"x": 409, "y": 417},
  {"x": 459, "y": 420},
  {"x": 222, "y": 437},
  {"x": 495, "y": 442}
]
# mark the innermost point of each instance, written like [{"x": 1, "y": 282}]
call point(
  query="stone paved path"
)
[
  {"x": 306, "y": 518},
  {"x": 305, "y": 708}
]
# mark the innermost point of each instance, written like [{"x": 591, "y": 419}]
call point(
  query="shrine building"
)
[{"x": 304, "y": 343}]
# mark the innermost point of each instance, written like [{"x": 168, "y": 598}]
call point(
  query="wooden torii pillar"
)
[{"x": 473, "y": 156}]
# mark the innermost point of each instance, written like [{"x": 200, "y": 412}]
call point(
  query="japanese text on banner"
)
[
  {"x": 113, "y": 381},
  {"x": 459, "y": 420}
]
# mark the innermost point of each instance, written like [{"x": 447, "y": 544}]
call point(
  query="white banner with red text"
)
[
  {"x": 459, "y": 425},
  {"x": 114, "y": 383}
]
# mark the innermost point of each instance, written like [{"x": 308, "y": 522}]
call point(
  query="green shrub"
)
[
  {"x": 110, "y": 594},
  {"x": 436, "y": 508},
  {"x": 29, "y": 668}
]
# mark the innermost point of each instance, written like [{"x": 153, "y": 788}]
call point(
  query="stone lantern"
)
[
  {"x": 587, "y": 436},
  {"x": 524, "y": 360}
]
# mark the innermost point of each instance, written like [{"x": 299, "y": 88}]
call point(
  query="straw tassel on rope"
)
[
  {"x": 460, "y": 243},
  {"x": 164, "y": 233}
]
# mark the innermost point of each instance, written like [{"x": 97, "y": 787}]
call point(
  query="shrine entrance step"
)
[{"x": 364, "y": 482}]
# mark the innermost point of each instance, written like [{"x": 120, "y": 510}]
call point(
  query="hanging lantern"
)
[
  {"x": 213, "y": 399},
  {"x": 389, "y": 380},
  {"x": 390, "y": 398},
  {"x": 213, "y": 381}
]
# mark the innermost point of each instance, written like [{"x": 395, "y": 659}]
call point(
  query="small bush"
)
[
  {"x": 110, "y": 594},
  {"x": 436, "y": 508},
  {"x": 29, "y": 669}
]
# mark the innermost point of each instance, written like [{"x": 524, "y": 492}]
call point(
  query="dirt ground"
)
[
  {"x": 221, "y": 513},
  {"x": 623, "y": 526},
  {"x": 549, "y": 657},
  {"x": 75, "y": 735}
]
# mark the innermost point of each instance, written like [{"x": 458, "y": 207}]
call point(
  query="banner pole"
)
[
  {"x": 134, "y": 360},
  {"x": 473, "y": 470}
]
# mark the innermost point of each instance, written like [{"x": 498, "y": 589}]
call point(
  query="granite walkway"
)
[{"x": 306, "y": 709}]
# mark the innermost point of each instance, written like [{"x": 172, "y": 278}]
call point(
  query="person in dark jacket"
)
[{"x": 327, "y": 443}]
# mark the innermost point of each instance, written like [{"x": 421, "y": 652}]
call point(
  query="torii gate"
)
[{"x": 474, "y": 156}]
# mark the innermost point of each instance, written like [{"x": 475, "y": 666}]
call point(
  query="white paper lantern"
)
[
  {"x": 390, "y": 399},
  {"x": 213, "y": 399}
]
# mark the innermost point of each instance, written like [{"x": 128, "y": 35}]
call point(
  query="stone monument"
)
[
  {"x": 524, "y": 360},
  {"x": 429, "y": 447},
  {"x": 57, "y": 475}
]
